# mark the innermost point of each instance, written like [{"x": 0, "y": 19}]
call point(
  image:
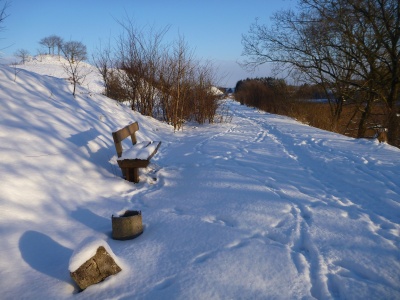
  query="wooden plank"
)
[
  {"x": 120, "y": 135},
  {"x": 133, "y": 163},
  {"x": 135, "y": 178},
  {"x": 127, "y": 173},
  {"x": 132, "y": 129},
  {"x": 155, "y": 150},
  {"x": 123, "y": 133}
]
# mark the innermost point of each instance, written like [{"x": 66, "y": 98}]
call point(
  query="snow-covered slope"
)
[
  {"x": 55, "y": 66},
  {"x": 261, "y": 207}
]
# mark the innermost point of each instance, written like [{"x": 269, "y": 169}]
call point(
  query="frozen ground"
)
[{"x": 261, "y": 207}]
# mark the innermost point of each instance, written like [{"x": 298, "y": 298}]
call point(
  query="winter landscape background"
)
[{"x": 257, "y": 207}]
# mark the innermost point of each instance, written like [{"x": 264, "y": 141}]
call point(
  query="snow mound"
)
[
  {"x": 86, "y": 250},
  {"x": 54, "y": 65}
]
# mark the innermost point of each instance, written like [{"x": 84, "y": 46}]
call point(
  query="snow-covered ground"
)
[{"x": 261, "y": 207}]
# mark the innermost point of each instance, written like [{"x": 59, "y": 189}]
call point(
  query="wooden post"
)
[
  {"x": 135, "y": 175},
  {"x": 127, "y": 174}
]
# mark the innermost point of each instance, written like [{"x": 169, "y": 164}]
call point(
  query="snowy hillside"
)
[
  {"x": 55, "y": 66},
  {"x": 261, "y": 207}
]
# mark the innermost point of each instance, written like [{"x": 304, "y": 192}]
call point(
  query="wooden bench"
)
[{"x": 138, "y": 156}]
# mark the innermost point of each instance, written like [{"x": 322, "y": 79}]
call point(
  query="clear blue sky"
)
[{"x": 213, "y": 29}]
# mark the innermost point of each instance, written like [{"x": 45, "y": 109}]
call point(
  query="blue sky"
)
[{"x": 213, "y": 29}]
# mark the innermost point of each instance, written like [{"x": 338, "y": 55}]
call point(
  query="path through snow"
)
[
  {"x": 261, "y": 207},
  {"x": 276, "y": 208}
]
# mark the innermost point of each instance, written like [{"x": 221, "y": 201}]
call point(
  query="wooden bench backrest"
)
[{"x": 122, "y": 134}]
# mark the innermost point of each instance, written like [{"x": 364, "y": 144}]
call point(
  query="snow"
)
[
  {"x": 257, "y": 208},
  {"x": 216, "y": 91},
  {"x": 139, "y": 151}
]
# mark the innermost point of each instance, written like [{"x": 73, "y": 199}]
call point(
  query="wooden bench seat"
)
[{"x": 138, "y": 156}]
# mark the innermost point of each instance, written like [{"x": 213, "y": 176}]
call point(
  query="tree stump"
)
[
  {"x": 127, "y": 226},
  {"x": 96, "y": 269}
]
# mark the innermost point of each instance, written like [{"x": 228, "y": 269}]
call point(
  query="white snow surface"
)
[
  {"x": 139, "y": 151},
  {"x": 259, "y": 207}
]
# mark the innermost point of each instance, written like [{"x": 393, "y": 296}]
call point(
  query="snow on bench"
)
[
  {"x": 138, "y": 156},
  {"x": 140, "y": 151}
]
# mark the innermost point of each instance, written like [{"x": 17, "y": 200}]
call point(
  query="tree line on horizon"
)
[{"x": 307, "y": 103}]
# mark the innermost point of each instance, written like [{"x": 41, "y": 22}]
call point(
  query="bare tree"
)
[
  {"x": 182, "y": 69},
  {"x": 349, "y": 47},
  {"x": 383, "y": 18},
  {"x": 370, "y": 37},
  {"x": 300, "y": 44},
  {"x": 3, "y": 15},
  {"x": 40, "y": 53},
  {"x": 187, "y": 87},
  {"x": 47, "y": 42},
  {"x": 56, "y": 42},
  {"x": 205, "y": 101},
  {"x": 158, "y": 79},
  {"x": 104, "y": 64},
  {"x": 16, "y": 70},
  {"x": 140, "y": 53},
  {"x": 22, "y": 54},
  {"x": 75, "y": 53},
  {"x": 51, "y": 42}
]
